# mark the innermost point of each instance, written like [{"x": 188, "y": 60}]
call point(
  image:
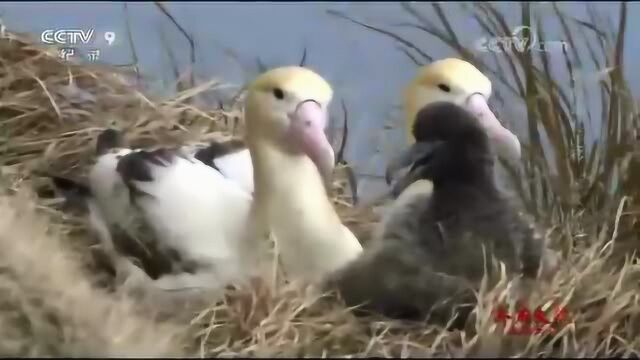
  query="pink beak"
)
[
  {"x": 307, "y": 129},
  {"x": 506, "y": 143}
]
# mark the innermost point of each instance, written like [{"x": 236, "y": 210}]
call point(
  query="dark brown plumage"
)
[
  {"x": 136, "y": 166},
  {"x": 430, "y": 258},
  {"x": 217, "y": 149},
  {"x": 109, "y": 139}
]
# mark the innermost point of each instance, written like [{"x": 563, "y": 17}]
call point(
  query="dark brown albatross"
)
[{"x": 431, "y": 257}]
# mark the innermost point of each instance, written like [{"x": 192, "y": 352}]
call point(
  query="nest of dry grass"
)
[{"x": 50, "y": 114}]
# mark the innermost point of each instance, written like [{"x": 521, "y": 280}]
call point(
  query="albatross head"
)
[
  {"x": 288, "y": 108},
  {"x": 459, "y": 82},
  {"x": 451, "y": 148}
]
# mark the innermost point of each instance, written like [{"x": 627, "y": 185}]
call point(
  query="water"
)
[{"x": 365, "y": 68}]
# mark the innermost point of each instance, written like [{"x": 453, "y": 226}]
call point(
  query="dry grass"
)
[
  {"x": 53, "y": 309},
  {"x": 50, "y": 113}
]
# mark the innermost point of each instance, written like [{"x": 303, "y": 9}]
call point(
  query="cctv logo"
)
[{"x": 66, "y": 36}]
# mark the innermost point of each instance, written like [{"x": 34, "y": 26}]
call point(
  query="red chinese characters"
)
[{"x": 526, "y": 322}]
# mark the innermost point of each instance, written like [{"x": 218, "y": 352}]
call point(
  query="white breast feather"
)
[
  {"x": 196, "y": 210},
  {"x": 237, "y": 166}
]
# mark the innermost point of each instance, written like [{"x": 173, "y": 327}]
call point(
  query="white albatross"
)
[{"x": 210, "y": 223}]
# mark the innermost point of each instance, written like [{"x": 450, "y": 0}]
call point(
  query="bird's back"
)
[
  {"x": 431, "y": 251},
  {"x": 454, "y": 225}
]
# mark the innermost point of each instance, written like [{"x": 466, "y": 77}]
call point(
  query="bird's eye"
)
[
  {"x": 278, "y": 93},
  {"x": 444, "y": 87}
]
